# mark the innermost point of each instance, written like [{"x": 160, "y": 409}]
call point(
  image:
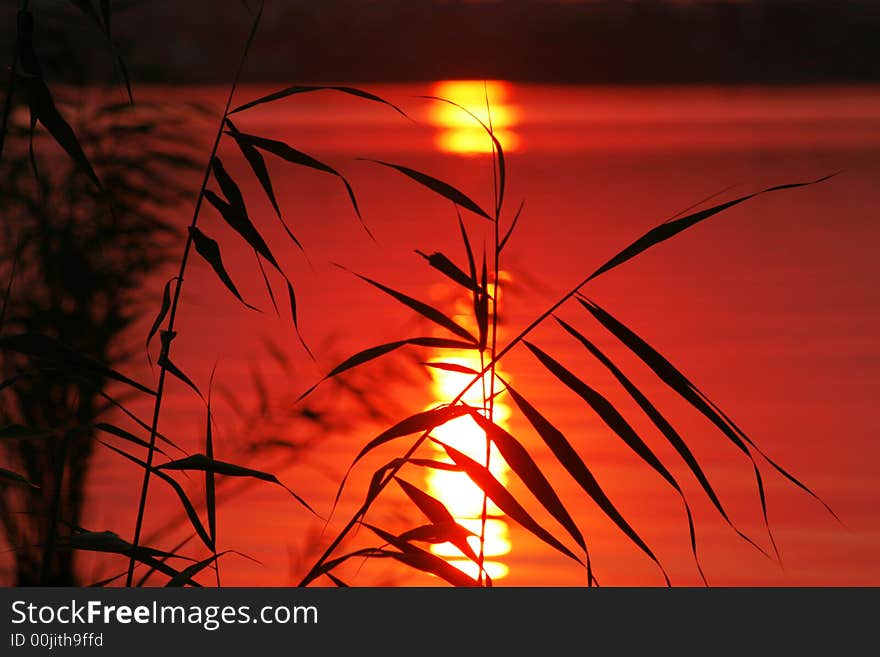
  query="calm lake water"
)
[{"x": 771, "y": 308}]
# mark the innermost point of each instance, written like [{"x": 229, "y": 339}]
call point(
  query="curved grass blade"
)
[
  {"x": 660, "y": 422},
  {"x": 512, "y": 226},
  {"x": 40, "y": 100},
  {"x": 165, "y": 362},
  {"x": 210, "y": 251},
  {"x": 423, "y": 560},
  {"x": 163, "y": 311},
  {"x": 416, "y": 423},
  {"x": 339, "y": 583},
  {"x": 267, "y": 284},
  {"x": 42, "y": 346},
  {"x": 443, "y": 526},
  {"x": 111, "y": 543},
  {"x": 188, "y": 507},
  {"x": 521, "y": 462},
  {"x": 210, "y": 488},
  {"x": 299, "y": 89},
  {"x": 201, "y": 462},
  {"x": 481, "y": 308},
  {"x": 615, "y": 421},
  {"x": 452, "y": 367},
  {"x": 14, "y": 477},
  {"x": 421, "y": 308},
  {"x": 566, "y": 454},
  {"x": 671, "y": 228},
  {"x": 487, "y": 482},
  {"x": 191, "y": 571},
  {"x": 372, "y": 353},
  {"x": 113, "y": 430},
  {"x": 294, "y": 315},
  {"x": 258, "y": 166},
  {"x": 285, "y": 152},
  {"x": 234, "y": 211},
  {"x": 452, "y": 271},
  {"x": 437, "y": 186},
  {"x": 676, "y": 380},
  {"x": 502, "y": 169}
]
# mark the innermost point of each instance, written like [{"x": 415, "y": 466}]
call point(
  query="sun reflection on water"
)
[
  {"x": 459, "y": 133},
  {"x": 462, "y": 497}
]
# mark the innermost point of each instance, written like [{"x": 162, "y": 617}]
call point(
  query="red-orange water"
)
[{"x": 770, "y": 308}]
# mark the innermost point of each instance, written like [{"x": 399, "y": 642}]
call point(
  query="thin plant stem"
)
[{"x": 160, "y": 389}]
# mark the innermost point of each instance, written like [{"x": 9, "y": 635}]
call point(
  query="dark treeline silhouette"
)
[{"x": 640, "y": 41}]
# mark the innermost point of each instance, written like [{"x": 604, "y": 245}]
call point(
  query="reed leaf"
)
[
  {"x": 676, "y": 380},
  {"x": 422, "y": 560},
  {"x": 113, "y": 430},
  {"x": 373, "y": 353},
  {"x": 452, "y": 367},
  {"x": 416, "y": 423},
  {"x": 210, "y": 251},
  {"x": 291, "y": 295},
  {"x": 188, "y": 507},
  {"x": 513, "y": 224},
  {"x": 521, "y": 462},
  {"x": 443, "y": 526},
  {"x": 444, "y": 189},
  {"x": 258, "y": 166},
  {"x": 616, "y": 422},
  {"x": 487, "y": 482},
  {"x": 201, "y": 462},
  {"x": 42, "y": 105},
  {"x": 568, "y": 457},
  {"x": 165, "y": 362},
  {"x": 234, "y": 211},
  {"x": 659, "y": 421},
  {"x": 290, "y": 154},
  {"x": 671, "y": 228},
  {"x": 299, "y": 89},
  {"x": 8, "y": 476},
  {"x": 163, "y": 311},
  {"x": 422, "y": 308},
  {"x": 452, "y": 271}
]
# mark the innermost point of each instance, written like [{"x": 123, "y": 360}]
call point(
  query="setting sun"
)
[{"x": 459, "y": 132}]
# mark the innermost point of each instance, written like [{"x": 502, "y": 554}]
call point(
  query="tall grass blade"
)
[
  {"x": 676, "y": 380},
  {"x": 452, "y": 271},
  {"x": 671, "y": 228},
  {"x": 513, "y": 224},
  {"x": 437, "y": 186},
  {"x": 163, "y": 311},
  {"x": 446, "y": 528},
  {"x": 258, "y": 166},
  {"x": 210, "y": 251},
  {"x": 416, "y": 423},
  {"x": 289, "y": 154},
  {"x": 299, "y": 89},
  {"x": 268, "y": 285},
  {"x": 40, "y": 99},
  {"x": 522, "y": 463},
  {"x": 14, "y": 477},
  {"x": 201, "y": 462},
  {"x": 423, "y": 309},
  {"x": 420, "y": 559},
  {"x": 566, "y": 454},
  {"x": 165, "y": 362},
  {"x": 616, "y": 422},
  {"x": 659, "y": 421},
  {"x": 373, "y": 353},
  {"x": 291, "y": 295},
  {"x": 235, "y": 212},
  {"x": 487, "y": 482},
  {"x": 113, "y": 430},
  {"x": 188, "y": 507}
]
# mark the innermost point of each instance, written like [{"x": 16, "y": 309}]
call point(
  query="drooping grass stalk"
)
[
  {"x": 160, "y": 388},
  {"x": 493, "y": 340}
]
